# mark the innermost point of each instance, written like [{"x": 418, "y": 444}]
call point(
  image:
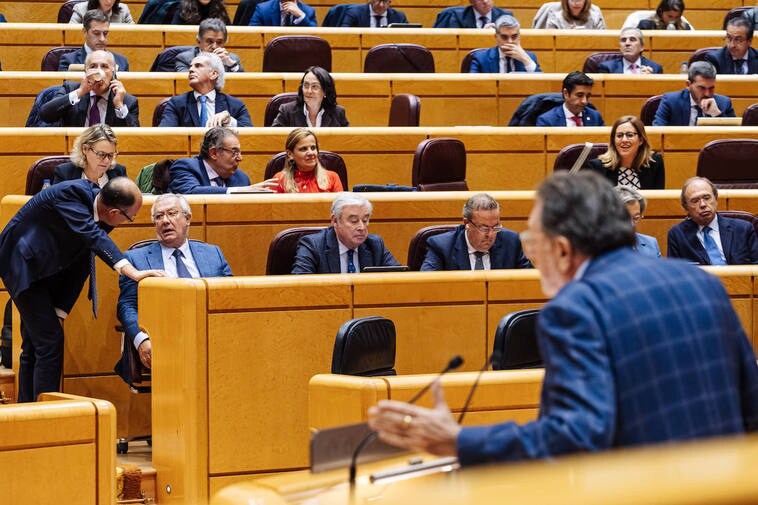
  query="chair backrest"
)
[
  {"x": 699, "y": 55},
  {"x": 66, "y": 10},
  {"x": 729, "y": 163},
  {"x": 439, "y": 164},
  {"x": 281, "y": 251},
  {"x": 44, "y": 96},
  {"x": 533, "y": 106},
  {"x": 649, "y": 108},
  {"x": 330, "y": 161},
  {"x": 335, "y": 14},
  {"x": 43, "y": 168},
  {"x": 569, "y": 154},
  {"x": 272, "y": 108},
  {"x": 365, "y": 346},
  {"x": 395, "y": 58},
  {"x": 295, "y": 53},
  {"x": 466, "y": 63},
  {"x": 750, "y": 116},
  {"x": 543, "y": 14},
  {"x": 593, "y": 61},
  {"x": 158, "y": 112},
  {"x": 244, "y": 12},
  {"x": 405, "y": 110},
  {"x": 165, "y": 61},
  {"x": 745, "y": 216},
  {"x": 737, "y": 12},
  {"x": 516, "y": 341},
  {"x": 417, "y": 248},
  {"x": 52, "y": 58}
]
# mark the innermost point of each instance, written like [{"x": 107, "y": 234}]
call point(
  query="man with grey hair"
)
[
  {"x": 346, "y": 246},
  {"x": 698, "y": 99},
  {"x": 630, "y": 61},
  {"x": 507, "y": 55},
  {"x": 480, "y": 243},
  {"x": 211, "y": 38},
  {"x": 205, "y": 105},
  {"x": 173, "y": 253},
  {"x": 636, "y": 204},
  {"x": 738, "y": 55}
]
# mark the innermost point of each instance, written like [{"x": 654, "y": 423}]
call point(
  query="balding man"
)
[{"x": 630, "y": 61}]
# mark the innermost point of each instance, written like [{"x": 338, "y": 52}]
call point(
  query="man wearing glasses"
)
[
  {"x": 47, "y": 251},
  {"x": 374, "y": 14},
  {"x": 480, "y": 243},
  {"x": 737, "y": 56},
  {"x": 508, "y": 55}
]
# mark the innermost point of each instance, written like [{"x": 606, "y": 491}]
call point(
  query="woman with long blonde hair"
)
[{"x": 303, "y": 172}]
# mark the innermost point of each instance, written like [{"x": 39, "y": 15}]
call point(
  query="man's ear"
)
[{"x": 565, "y": 253}]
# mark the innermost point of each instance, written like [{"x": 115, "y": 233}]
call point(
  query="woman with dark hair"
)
[
  {"x": 576, "y": 14},
  {"x": 629, "y": 160},
  {"x": 114, "y": 9},
  {"x": 316, "y": 103},
  {"x": 668, "y": 16},
  {"x": 303, "y": 172},
  {"x": 93, "y": 158},
  {"x": 191, "y": 12}
]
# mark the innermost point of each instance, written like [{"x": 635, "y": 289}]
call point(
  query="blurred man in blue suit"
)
[
  {"x": 577, "y": 90},
  {"x": 284, "y": 13},
  {"x": 507, "y": 55},
  {"x": 630, "y": 61},
  {"x": 374, "y": 14},
  {"x": 479, "y": 14}
]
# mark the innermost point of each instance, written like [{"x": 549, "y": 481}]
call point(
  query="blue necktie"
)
[
  {"x": 203, "y": 110},
  {"x": 479, "y": 263},
  {"x": 219, "y": 182},
  {"x": 92, "y": 294},
  {"x": 181, "y": 269},
  {"x": 711, "y": 248},
  {"x": 350, "y": 264}
]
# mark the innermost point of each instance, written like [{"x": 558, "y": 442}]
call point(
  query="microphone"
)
[
  {"x": 495, "y": 357},
  {"x": 455, "y": 362}
]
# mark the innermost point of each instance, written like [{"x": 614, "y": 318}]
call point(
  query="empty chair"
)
[
  {"x": 158, "y": 112},
  {"x": 516, "y": 341},
  {"x": 330, "y": 161},
  {"x": 737, "y": 12},
  {"x": 729, "y": 163},
  {"x": 466, "y": 63},
  {"x": 750, "y": 116},
  {"x": 365, "y": 346},
  {"x": 166, "y": 59},
  {"x": 417, "y": 248},
  {"x": 440, "y": 165},
  {"x": 66, "y": 10},
  {"x": 295, "y": 53},
  {"x": 272, "y": 108},
  {"x": 281, "y": 251},
  {"x": 649, "y": 108},
  {"x": 395, "y": 58},
  {"x": 569, "y": 154},
  {"x": 43, "y": 168},
  {"x": 405, "y": 110},
  {"x": 740, "y": 214},
  {"x": 593, "y": 61},
  {"x": 52, "y": 58},
  {"x": 700, "y": 54}
]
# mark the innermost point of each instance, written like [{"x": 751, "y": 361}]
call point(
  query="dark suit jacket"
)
[
  {"x": 738, "y": 241},
  {"x": 70, "y": 172},
  {"x": 60, "y": 109},
  {"x": 651, "y": 177},
  {"x": 634, "y": 351},
  {"x": 464, "y": 17},
  {"x": 319, "y": 253},
  {"x": 184, "y": 59},
  {"x": 616, "y": 66},
  {"x": 51, "y": 237},
  {"x": 181, "y": 110},
  {"x": 270, "y": 14},
  {"x": 80, "y": 55},
  {"x": 360, "y": 16},
  {"x": 188, "y": 176},
  {"x": 209, "y": 259},
  {"x": 448, "y": 251},
  {"x": 674, "y": 109},
  {"x": 722, "y": 60},
  {"x": 290, "y": 114},
  {"x": 488, "y": 60},
  {"x": 556, "y": 117}
]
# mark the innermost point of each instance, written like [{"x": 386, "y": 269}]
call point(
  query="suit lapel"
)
[
  {"x": 460, "y": 251},
  {"x": 494, "y": 60},
  {"x": 81, "y": 109},
  {"x": 695, "y": 244},
  {"x": 154, "y": 257},
  {"x": 203, "y": 172},
  {"x": 725, "y": 233},
  {"x": 332, "y": 252},
  {"x": 192, "y": 109},
  {"x": 204, "y": 266},
  {"x": 222, "y": 103},
  {"x": 684, "y": 110}
]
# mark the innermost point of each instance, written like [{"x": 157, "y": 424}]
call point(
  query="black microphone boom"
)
[{"x": 454, "y": 363}]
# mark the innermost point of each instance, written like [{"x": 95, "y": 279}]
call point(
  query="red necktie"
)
[{"x": 577, "y": 120}]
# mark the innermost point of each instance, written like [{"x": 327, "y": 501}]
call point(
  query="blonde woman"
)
[
  {"x": 303, "y": 173},
  {"x": 93, "y": 158}
]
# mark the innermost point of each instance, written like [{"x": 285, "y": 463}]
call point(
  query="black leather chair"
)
[
  {"x": 649, "y": 108},
  {"x": 295, "y": 53},
  {"x": 244, "y": 12},
  {"x": 745, "y": 216},
  {"x": 396, "y": 58},
  {"x": 158, "y": 111},
  {"x": 281, "y": 251},
  {"x": 593, "y": 61},
  {"x": 750, "y": 116},
  {"x": 365, "y": 347},
  {"x": 569, "y": 154},
  {"x": 516, "y": 342},
  {"x": 737, "y": 12},
  {"x": 729, "y": 163},
  {"x": 699, "y": 55},
  {"x": 43, "y": 168},
  {"x": 272, "y": 108},
  {"x": 466, "y": 63},
  {"x": 331, "y": 161},
  {"x": 52, "y": 58},
  {"x": 417, "y": 248},
  {"x": 165, "y": 61},
  {"x": 439, "y": 164},
  {"x": 405, "y": 110}
]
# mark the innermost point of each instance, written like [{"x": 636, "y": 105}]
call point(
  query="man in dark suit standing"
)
[
  {"x": 175, "y": 254},
  {"x": 283, "y": 13},
  {"x": 95, "y": 28},
  {"x": 480, "y": 243},
  {"x": 577, "y": 90},
  {"x": 374, "y": 14},
  {"x": 346, "y": 246},
  {"x": 99, "y": 99},
  {"x": 205, "y": 105},
  {"x": 47, "y": 251},
  {"x": 637, "y": 351},
  {"x": 707, "y": 238},
  {"x": 630, "y": 61},
  {"x": 211, "y": 38},
  {"x": 480, "y": 14},
  {"x": 737, "y": 56},
  {"x": 698, "y": 99},
  {"x": 507, "y": 55}
]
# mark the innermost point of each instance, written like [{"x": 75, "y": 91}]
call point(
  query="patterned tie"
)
[
  {"x": 577, "y": 120},
  {"x": 479, "y": 263},
  {"x": 288, "y": 20},
  {"x": 483, "y": 21},
  {"x": 378, "y": 21},
  {"x": 634, "y": 69},
  {"x": 92, "y": 294},
  {"x": 350, "y": 264},
  {"x": 711, "y": 248},
  {"x": 94, "y": 112},
  {"x": 181, "y": 268},
  {"x": 219, "y": 182},
  {"x": 203, "y": 110},
  {"x": 738, "y": 67}
]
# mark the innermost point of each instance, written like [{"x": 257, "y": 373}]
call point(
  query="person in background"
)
[
  {"x": 575, "y": 15},
  {"x": 668, "y": 16},
  {"x": 507, "y": 55},
  {"x": 192, "y": 12},
  {"x": 283, "y": 13},
  {"x": 373, "y": 14},
  {"x": 93, "y": 157},
  {"x": 630, "y": 61},
  {"x": 116, "y": 11},
  {"x": 95, "y": 28},
  {"x": 316, "y": 103},
  {"x": 737, "y": 56},
  {"x": 577, "y": 90},
  {"x": 303, "y": 172},
  {"x": 636, "y": 204},
  {"x": 211, "y": 38}
]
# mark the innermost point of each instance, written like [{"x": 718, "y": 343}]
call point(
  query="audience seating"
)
[
  {"x": 40, "y": 170},
  {"x": 272, "y": 108},
  {"x": 569, "y": 154},
  {"x": 439, "y": 164},
  {"x": 700, "y": 54},
  {"x": 394, "y": 58},
  {"x": 295, "y": 53},
  {"x": 745, "y": 216},
  {"x": 158, "y": 111},
  {"x": 53, "y": 57},
  {"x": 649, "y": 108},
  {"x": 516, "y": 341},
  {"x": 593, "y": 61},
  {"x": 750, "y": 116},
  {"x": 67, "y": 10},
  {"x": 34, "y": 119},
  {"x": 281, "y": 251},
  {"x": 330, "y": 161},
  {"x": 333, "y": 17},
  {"x": 405, "y": 110},
  {"x": 417, "y": 247},
  {"x": 165, "y": 60},
  {"x": 730, "y": 163},
  {"x": 466, "y": 63},
  {"x": 365, "y": 346}
]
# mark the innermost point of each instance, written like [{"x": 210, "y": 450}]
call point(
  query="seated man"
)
[
  {"x": 99, "y": 99},
  {"x": 707, "y": 238},
  {"x": 698, "y": 99},
  {"x": 346, "y": 246},
  {"x": 630, "y": 61},
  {"x": 173, "y": 253},
  {"x": 95, "y": 28},
  {"x": 211, "y": 38},
  {"x": 507, "y": 55},
  {"x": 283, "y": 13},
  {"x": 374, "y": 14},
  {"x": 737, "y": 56},
  {"x": 205, "y": 105},
  {"x": 480, "y": 243},
  {"x": 577, "y": 90},
  {"x": 480, "y": 14}
]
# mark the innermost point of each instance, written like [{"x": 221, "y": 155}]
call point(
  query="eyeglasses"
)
[
  {"x": 483, "y": 229},
  {"x": 234, "y": 152},
  {"x": 626, "y": 135},
  {"x": 127, "y": 216},
  {"x": 102, "y": 155},
  {"x": 736, "y": 40},
  {"x": 170, "y": 214}
]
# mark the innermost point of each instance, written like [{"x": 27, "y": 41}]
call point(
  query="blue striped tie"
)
[
  {"x": 711, "y": 248},
  {"x": 203, "y": 110}
]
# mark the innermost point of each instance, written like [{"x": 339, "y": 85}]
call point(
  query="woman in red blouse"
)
[{"x": 303, "y": 173}]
